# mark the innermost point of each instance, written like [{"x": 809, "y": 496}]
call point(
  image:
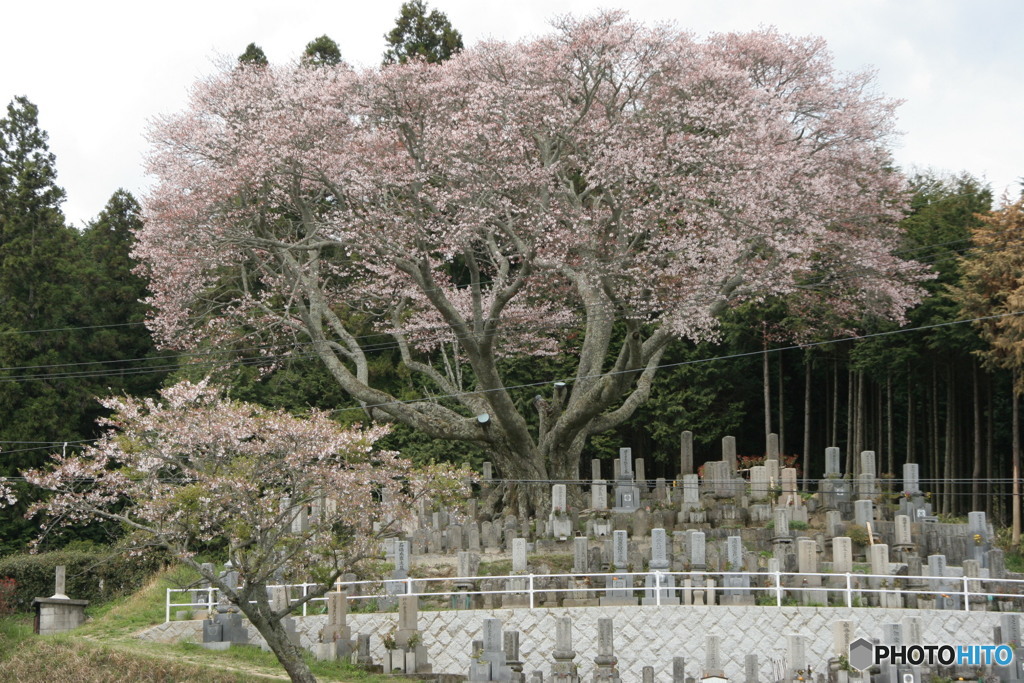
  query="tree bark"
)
[
  {"x": 911, "y": 455},
  {"x": 976, "y": 471},
  {"x": 807, "y": 416},
  {"x": 996, "y": 489},
  {"x": 948, "y": 475},
  {"x": 933, "y": 423},
  {"x": 766, "y": 377},
  {"x": 782, "y": 417},
  {"x": 890, "y": 438},
  {"x": 850, "y": 460},
  {"x": 858, "y": 422},
  {"x": 1015, "y": 484}
]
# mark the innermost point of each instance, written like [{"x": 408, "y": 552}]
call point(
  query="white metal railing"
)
[{"x": 852, "y": 586}]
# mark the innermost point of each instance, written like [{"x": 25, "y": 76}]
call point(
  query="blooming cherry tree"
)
[
  {"x": 193, "y": 467},
  {"x": 523, "y": 199}
]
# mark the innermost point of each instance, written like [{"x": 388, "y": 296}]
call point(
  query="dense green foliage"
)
[
  {"x": 419, "y": 34},
  {"x": 322, "y": 51},
  {"x": 94, "y": 575},
  {"x": 71, "y": 321},
  {"x": 253, "y": 55}
]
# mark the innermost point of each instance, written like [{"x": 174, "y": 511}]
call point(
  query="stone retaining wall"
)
[{"x": 644, "y": 636}]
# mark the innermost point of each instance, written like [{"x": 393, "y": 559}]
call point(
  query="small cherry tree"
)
[{"x": 193, "y": 468}]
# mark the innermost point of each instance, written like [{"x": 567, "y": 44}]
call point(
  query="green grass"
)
[{"x": 105, "y": 648}]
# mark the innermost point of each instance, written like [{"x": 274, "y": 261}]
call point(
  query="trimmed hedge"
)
[{"x": 94, "y": 575}]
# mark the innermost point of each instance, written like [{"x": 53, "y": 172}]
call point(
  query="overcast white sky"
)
[{"x": 100, "y": 70}]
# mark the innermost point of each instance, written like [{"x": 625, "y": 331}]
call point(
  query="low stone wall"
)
[{"x": 644, "y": 636}]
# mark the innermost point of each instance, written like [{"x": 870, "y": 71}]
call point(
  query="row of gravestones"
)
[
  {"x": 496, "y": 658},
  {"x": 405, "y": 652},
  {"x": 940, "y": 585},
  {"x": 496, "y": 655}
]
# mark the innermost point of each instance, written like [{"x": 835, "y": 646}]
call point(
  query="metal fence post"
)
[
  {"x": 967, "y": 597},
  {"x": 778, "y": 589},
  {"x": 849, "y": 590},
  {"x": 531, "y": 591},
  {"x": 167, "y": 614}
]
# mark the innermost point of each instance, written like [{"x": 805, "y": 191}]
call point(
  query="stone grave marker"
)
[
  {"x": 833, "y": 467},
  {"x": 605, "y": 661},
  {"x": 902, "y": 532},
  {"x": 863, "y": 512},
  {"x": 911, "y": 478},
  {"x": 759, "y": 487},
  {"x": 750, "y": 674},
  {"x": 790, "y": 495},
  {"x": 686, "y": 453},
  {"x": 713, "y": 657},
  {"x": 842, "y": 636},
  {"x": 729, "y": 453},
  {"x": 564, "y": 668},
  {"x": 620, "y": 550},
  {"x": 580, "y": 555},
  {"x": 698, "y": 556},
  {"x": 519, "y": 555},
  {"x": 842, "y": 555},
  {"x": 678, "y": 670},
  {"x": 807, "y": 563},
  {"x": 867, "y": 463},
  {"x": 796, "y": 655}
]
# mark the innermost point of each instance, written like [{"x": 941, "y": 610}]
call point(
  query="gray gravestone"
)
[
  {"x": 833, "y": 468},
  {"x": 698, "y": 557},
  {"x": 796, "y": 655},
  {"x": 759, "y": 486},
  {"x": 518, "y": 555},
  {"x": 867, "y": 463},
  {"x": 911, "y": 478},
  {"x": 659, "y": 549},
  {"x": 713, "y": 657},
  {"x": 580, "y": 553},
  {"x": 863, "y": 512},
  {"x": 620, "y": 550},
  {"x": 842, "y": 555},
  {"x": 686, "y": 453},
  {"x": 729, "y": 452}
]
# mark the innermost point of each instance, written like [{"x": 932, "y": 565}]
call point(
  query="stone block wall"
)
[{"x": 644, "y": 636}]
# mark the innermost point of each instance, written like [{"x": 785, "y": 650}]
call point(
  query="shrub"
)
[
  {"x": 7, "y": 589},
  {"x": 94, "y": 575}
]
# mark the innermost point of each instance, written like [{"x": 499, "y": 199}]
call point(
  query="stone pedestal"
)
[{"x": 57, "y": 615}]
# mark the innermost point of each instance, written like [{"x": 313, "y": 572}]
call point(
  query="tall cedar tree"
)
[
  {"x": 115, "y": 314},
  {"x": 322, "y": 51},
  {"x": 253, "y": 55},
  {"x": 37, "y": 263},
  {"x": 37, "y": 402},
  {"x": 418, "y": 34}
]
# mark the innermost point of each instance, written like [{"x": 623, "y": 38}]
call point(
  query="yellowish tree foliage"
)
[
  {"x": 992, "y": 288},
  {"x": 993, "y": 285}
]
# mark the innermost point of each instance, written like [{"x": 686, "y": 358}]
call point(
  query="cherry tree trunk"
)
[{"x": 274, "y": 633}]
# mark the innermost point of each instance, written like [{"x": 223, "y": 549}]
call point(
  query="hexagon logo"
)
[{"x": 862, "y": 654}]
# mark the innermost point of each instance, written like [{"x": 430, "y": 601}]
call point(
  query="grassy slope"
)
[{"x": 105, "y": 649}]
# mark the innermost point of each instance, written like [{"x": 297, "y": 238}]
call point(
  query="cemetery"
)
[{"x": 719, "y": 574}]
